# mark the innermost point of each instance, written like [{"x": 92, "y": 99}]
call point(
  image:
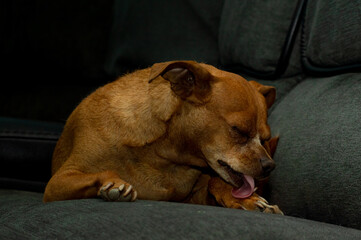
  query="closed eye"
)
[
  {"x": 236, "y": 129},
  {"x": 239, "y": 132}
]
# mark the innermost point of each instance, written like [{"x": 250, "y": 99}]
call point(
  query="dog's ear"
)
[
  {"x": 271, "y": 145},
  {"x": 268, "y": 92},
  {"x": 188, "y": 79}
]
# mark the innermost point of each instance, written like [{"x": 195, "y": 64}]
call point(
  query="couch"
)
[{"x": 57, "y": 52}]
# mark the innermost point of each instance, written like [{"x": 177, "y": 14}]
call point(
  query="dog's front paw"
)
[
  {"x": 258, "y": 203},
  {"x": 252, "y": 203},
  {"x": 118, "y": 192},
  {"x": 221, "y": 191},
  {"x": 264, "y": 206}
]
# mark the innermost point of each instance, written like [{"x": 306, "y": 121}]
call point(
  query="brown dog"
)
[{"x": 155, "y": 133}]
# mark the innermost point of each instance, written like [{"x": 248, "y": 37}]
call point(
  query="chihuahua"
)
[{"x": 177, "y": 131}]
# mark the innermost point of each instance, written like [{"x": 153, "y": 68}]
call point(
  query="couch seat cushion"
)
[{"x": 23, "y": 215}]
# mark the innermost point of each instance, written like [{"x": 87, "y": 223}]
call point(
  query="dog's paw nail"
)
[
  {"x": 266, "y": 208},
  {"x": 122, "y": 193},
  {"x": 106, "y": 187},
  {"x": 128, "y": 190},
  {"x": 259, "y": 204},
  {"x": 113, "y": 194},
  {"x": 264, "y": 200},
  {"x": 103, "y": 190},
  {"x": 121, "y": 188},
  {"x": 134, "y": 196}
]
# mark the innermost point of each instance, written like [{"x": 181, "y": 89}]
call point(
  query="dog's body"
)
[{"x": 152, "y": 133}]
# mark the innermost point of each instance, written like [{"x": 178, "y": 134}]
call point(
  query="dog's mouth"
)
[
  {"x": 237, "y": 177},
  {"x": 244, "y": 184}
]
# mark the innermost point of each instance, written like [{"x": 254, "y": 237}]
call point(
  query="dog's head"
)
[{"x": 223, "y": 116}]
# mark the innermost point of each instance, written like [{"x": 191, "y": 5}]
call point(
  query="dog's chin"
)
[{"x": 233, "y": 177}]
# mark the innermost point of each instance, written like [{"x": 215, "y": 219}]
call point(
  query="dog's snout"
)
[{"x": 267, "y": 165}]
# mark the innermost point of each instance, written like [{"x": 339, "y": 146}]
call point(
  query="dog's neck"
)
[
  {"x": 178, "y": 147},
  {"x": 180, "y": 155}
]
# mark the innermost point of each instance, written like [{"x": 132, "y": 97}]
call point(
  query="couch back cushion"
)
[
  {"x": 26, "y": 148},
  {"x": 145, "y": 32},
  {"x": 318, "y": 158},
  {"x": 332, "y": 35},
  {"x": 252, "y": 33}
]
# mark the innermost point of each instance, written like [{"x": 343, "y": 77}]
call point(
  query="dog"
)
[{"x": 177, "y": 131}]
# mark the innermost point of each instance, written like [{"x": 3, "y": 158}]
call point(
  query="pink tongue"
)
[{"x": 247, "y": 188}]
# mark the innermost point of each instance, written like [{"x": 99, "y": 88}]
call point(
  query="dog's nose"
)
[{"x": 267, "y": 165}]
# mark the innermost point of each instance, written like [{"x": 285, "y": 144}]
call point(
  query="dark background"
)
[{"x": 54, "y": 53}]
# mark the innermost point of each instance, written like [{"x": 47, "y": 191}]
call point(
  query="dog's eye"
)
[
  {"x": 240, "y": 133},
  {"x": 236, "y": 129}
]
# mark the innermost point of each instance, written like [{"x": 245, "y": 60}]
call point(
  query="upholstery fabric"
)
[
  {"x": 332, "y": 32},
  {"x": 26, "y": 149},
  {"x": 47, "y": 102},
  {"x": 283, "y": 87},
  {"x": 318, "y": 157},
  {"x": 252, "y": 33},
  {"x": 145, "y": 32},
  {"x": 23, "y": 215}
]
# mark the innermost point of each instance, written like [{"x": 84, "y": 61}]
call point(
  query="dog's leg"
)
[
  {"x": 200, "y": 194},
  {"x": 74, "y": 184},
  {"x": 222, "y": 193}
]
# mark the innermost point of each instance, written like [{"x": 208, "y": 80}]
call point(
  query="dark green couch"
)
[{"x": 56, "y": 52}]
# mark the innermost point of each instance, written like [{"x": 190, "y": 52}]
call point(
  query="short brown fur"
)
[{"x": 158, "y": 133}]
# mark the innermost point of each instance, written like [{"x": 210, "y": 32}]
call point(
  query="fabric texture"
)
[
  {"x": 252, "y": 33},
  {"x": 145, "y": 32},
  {"x": 332, "y": 32},
  {"x": 44, "y": 102},
  {"x": 26, "y": 148},
  {"x": 23, "y": 215},
  {"x": 283, "y": 87},
  {"x": 318, "y": 157}
]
